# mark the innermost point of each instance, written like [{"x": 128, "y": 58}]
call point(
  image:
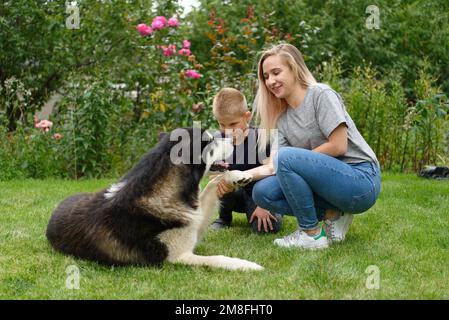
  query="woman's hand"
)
[
  {"x": 223, "y": 187},
  {"x": 263, "y": 217}
]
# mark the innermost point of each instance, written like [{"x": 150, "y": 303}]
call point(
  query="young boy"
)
[{"x": 231, "y": 111}]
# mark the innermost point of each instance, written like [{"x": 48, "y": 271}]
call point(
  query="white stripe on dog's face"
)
[
  {"x": 112, "y": 191},
  {"x": 218, "y": 149}
]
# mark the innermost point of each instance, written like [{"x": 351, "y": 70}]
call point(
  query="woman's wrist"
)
[{"x": 261, "y": 172}]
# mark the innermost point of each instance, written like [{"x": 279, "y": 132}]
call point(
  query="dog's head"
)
[
  {"x": 217, "y": 149},
  {"x": 198, "y": 147}
]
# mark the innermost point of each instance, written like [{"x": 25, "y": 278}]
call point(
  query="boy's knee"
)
[{"x": 277, "y": 225}]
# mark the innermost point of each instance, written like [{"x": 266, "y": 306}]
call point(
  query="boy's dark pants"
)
[{"x": 242, "y": 201}]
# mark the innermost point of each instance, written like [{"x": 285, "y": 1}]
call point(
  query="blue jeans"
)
[{"x": 307, "y": 183}]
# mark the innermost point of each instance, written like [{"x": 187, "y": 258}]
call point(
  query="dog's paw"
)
[
  {"x": 238, "y": 178},
  {"x": 252, "y": 266},
  {"x": 244, "y": 265}
]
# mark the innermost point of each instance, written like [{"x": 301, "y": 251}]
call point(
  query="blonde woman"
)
[{"x": 323, "y": 169}]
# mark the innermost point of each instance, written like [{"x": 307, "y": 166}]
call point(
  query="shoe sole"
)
[
  {"x": 320, "y": 247},
  {"x": 311, "y": 247}
]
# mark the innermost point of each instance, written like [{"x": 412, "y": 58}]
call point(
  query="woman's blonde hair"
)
[{"x": 267, "y": 108}]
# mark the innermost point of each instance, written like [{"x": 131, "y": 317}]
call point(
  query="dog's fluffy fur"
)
[{"x": 155, "y": 213}]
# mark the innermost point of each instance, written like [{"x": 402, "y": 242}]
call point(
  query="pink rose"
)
[
  {"x": 45, "y": 125},
  {"x": 192, "y": 74},
  {"x": 144, "y": 30},
  {"x": 159, "y": 23},
  {"x": 186, "y": 44},
  {"x": 197, "y": 107},
  {"x": 184, "y": 52},
  {"x": 162, "y": 19},
  {"x": 57, "y": 136},
  {"x": 173, "y": 22},
  {"x": 168, "y": 51}
]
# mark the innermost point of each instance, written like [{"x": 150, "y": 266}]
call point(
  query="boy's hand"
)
[
  {"x": 223, "y": 187},
  {"x": 263, "y": 217}
]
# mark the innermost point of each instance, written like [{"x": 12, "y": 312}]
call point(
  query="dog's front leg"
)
[
  {"x": 217, "y": 262},
  {"x": 208, "y": 204},
  {"x": 237, "y": 178},
  {"x": 209, "y": 200}
]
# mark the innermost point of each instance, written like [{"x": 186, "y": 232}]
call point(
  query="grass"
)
[{"x": 405, "y": 235}]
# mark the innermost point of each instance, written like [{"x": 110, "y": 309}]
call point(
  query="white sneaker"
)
[
  {"x": 336, "y": 230},
  {"x": 300, "y": 239}
]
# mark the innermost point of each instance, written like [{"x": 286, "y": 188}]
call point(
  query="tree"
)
[{"x": 40, "y": 49}]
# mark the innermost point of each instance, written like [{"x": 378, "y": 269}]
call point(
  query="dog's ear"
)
[
  {"x": 211, "y": 134},
  {"x": 207, "y": 136},
  {"x": 162, "y": 135}
]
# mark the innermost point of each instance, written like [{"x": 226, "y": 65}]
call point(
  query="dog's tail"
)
[
  {"x": 63, "y": 223},
  {"x": 217, "y": 262}
]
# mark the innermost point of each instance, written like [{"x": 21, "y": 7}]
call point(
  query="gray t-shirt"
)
[{"x": 309, "y": 125}]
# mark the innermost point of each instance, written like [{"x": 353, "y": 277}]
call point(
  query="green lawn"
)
[{"x": 405, "y": 235}]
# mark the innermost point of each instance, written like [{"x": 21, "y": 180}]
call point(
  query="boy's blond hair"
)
[{"x": 229, "y": 102}]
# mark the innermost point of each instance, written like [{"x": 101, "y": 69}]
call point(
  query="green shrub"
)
[{"x": 404, "y": 134}]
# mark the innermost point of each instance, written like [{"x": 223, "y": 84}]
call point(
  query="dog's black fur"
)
[{"x": 80, "y": 222}]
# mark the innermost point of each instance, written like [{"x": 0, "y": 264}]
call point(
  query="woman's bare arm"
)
[
  {"x": 337, "y": 143},
  {"x": 264, "y": 170}
]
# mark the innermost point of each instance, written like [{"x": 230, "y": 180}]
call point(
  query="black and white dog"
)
[{"x": 155, "y": 213}]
